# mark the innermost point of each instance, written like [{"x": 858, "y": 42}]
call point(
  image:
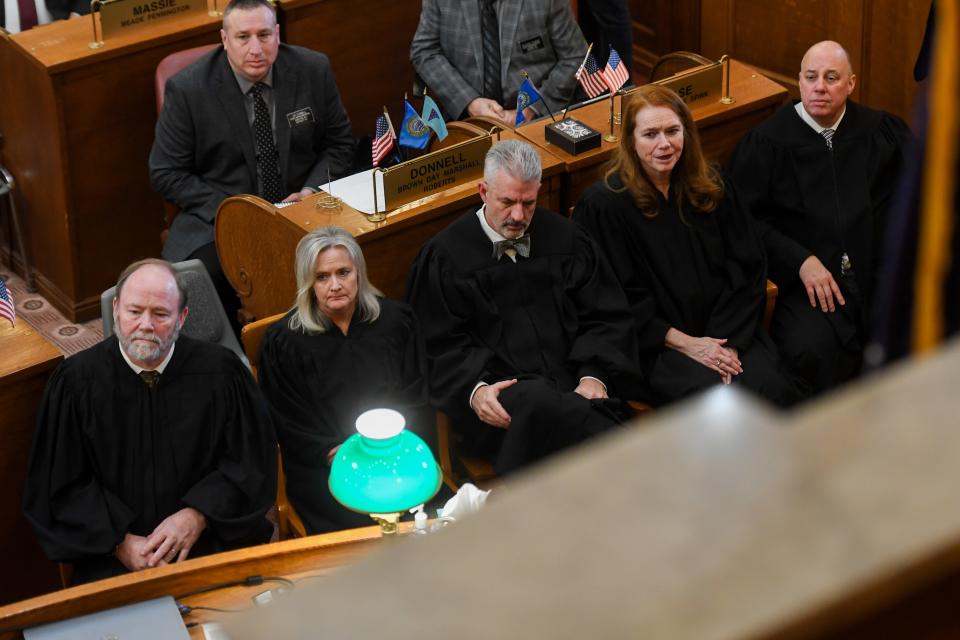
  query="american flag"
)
[
  {"x": 6, "y": 305},
  {"x": 615, "y": 74},
  {"x": 382, "y": 140},
  {"x": 590, "y": 77}
]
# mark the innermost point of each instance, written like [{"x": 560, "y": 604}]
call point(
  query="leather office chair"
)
[
  {"x": 169, "y": 66},
  {"x": 172, "y": 64},
  {"x": 288, "y": 522},
  {"x": 206, "y": 320}
]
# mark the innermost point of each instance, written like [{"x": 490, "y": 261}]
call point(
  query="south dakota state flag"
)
[
  {"x": 527, "y": 96},
  {"x": 413, "y": 132}
]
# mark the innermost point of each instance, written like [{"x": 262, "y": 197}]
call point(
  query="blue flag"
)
[
  {"x": 432, "y": 117},
  {"x": 527, "y": 96},
  {"x": 413, "y": 132}
]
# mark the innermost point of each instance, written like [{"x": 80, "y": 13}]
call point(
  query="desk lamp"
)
[{"x": 383, "y": 469}]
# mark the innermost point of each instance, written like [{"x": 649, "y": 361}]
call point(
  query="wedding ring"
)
[{"x": 718, "y": 362}]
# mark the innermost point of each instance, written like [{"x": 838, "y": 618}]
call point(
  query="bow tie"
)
[{"x": 519, "y": 245}]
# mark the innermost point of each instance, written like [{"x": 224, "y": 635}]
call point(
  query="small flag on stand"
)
[
  {"x": 527, "y": 96},
  {"x": 590, "y": 77},
  {"x": 414, "y": 133},
  {"x": 382, "y": 140},
  {"x": 432, "y": 118},
  {"x": 7, "y": 309},
  {"x": 615, "y": 74}
]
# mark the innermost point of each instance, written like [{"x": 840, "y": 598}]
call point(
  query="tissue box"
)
[{"x": 572, "y": 136}]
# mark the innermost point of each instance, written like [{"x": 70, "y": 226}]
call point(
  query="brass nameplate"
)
[
  {"x": 437, "y": 171},
  {"x": 126, "y": 16},
  {"x": 698, "y": 85}
]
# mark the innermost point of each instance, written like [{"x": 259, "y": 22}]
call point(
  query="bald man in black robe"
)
[
  {"x": 819, "y": 176},
  {"x": 150, "y": 448},
  {"x": 527, "y": 332}
]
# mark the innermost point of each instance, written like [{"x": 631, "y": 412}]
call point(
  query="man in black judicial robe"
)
[
  {"x": 819, "y": 177},
  {"x": 527, "y": 332},
  {"x": 149, "y": 448}
]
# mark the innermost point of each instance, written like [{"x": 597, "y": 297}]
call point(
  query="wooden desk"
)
[
  {"x": 26, "y": 362},
  {"x": 721, "y": 127},
  {"x": 297, "y": 560},
  {"x": 257, "y": 242},
  {"x": 78, "y": 126}
]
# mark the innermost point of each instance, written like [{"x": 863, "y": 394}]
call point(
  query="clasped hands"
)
[
  {"x": 170, "y": 542},
  {"x": 713, "y": 353},
  {"x": 492, "y": 109},
  {"x": 486, "y": 403}
]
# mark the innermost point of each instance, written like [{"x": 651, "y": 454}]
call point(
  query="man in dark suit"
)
[
  {"x": 470, "y": 54},
  {"x": 253, "y": 116}
]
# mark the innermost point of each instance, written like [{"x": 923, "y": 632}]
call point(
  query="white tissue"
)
[{"x": 467, "y": 501}]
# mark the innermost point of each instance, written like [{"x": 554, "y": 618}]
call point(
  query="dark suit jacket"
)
[
  {"x": 536, "y": 36},
  {"x": 204, "y": 150}
]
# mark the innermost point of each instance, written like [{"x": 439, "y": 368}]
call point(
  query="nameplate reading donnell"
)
[
  {"x": 434, "y": 172},
  {"x": 126, "y": 16}
]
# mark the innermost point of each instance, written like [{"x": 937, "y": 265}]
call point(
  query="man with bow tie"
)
[{"x": 528, "y": 336}]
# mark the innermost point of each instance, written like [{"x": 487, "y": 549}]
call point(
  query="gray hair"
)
[
  {"x": 307, "y": 316},
  {"x": 156, "y": 262},
  {"x": 515, "y": 158}
]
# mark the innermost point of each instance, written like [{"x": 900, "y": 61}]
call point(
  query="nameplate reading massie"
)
[
  {"x": 699, "y": 85},
  {"x": 125, "y": 16},
  {"x": 434, "y": 172}
]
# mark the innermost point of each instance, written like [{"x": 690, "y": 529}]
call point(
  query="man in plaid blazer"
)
[{"x": 536, "y": 36}]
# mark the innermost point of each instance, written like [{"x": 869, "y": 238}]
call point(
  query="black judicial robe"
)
[
  {"x": 700, "y": 273},
  {"x": 548, "y": 320},
  {"x": 317, "y": 385},
  {"x": 112, "y": 456},
  {"x": 809, "y": 200}
]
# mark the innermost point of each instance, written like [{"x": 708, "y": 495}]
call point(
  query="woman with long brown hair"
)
[{"x": 689, "y": 260}]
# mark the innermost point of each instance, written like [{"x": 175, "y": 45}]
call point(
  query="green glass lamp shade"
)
[{"x": 383, "y": 468}]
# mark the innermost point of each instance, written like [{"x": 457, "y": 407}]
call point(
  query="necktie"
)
[
  {"x": 828, "y": 136},
  {"x": 519, "y": 245},
  {"x": 28, "y": 14},
  {"x": 490, "y": 30},
  {"x": 150, "y": 378},
  {"x": 266, "y": 149}
]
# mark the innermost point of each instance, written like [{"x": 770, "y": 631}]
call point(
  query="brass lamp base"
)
[{"x": 389, "y": 523}]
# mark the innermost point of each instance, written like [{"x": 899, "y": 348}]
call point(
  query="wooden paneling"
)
[
  {"x": 26, "y": 361},
  {"x": 882, "y": 37},
  {"x": 663, "y": 26}
]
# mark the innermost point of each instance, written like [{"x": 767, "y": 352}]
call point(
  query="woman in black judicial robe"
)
[
  {"x": 688, "y": 259},
  {"x": 340, "y": 351}
]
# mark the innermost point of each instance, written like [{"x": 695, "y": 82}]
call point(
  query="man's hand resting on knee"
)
[{"x": 486, "y": 404}]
